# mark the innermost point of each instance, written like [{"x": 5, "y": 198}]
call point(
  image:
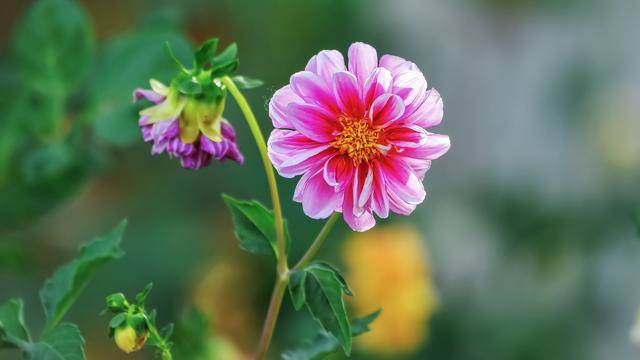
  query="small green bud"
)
[
  {"x": 117, "y": 303},
  {"x": 129, "y": 340}
]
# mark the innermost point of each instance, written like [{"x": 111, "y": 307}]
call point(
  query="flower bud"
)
[
  {"x": 117, "y": 303},
  {"x": 128, "y": 340}
]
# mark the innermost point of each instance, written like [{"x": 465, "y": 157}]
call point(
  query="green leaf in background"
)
[
  {"x": 127, "y": 62},
  {"x": 206, "y": 53},
  {"x": 254, "y": 226},
  {"x": 192, "y": 337},
  {"x": 54, "y": 46},
  {"x": 13, "y": 331},
  {"x": 324, "y": 344},
  {"x": 245, "y": 82},
  {"x": 67, "y": 283},
  {"x": 324, "y": 288},
  {"x": 637, "y": 219},
  {"x": 63, "y": 343}
]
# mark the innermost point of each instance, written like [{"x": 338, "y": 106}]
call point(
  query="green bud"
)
[{"x": 117, "y": 303}]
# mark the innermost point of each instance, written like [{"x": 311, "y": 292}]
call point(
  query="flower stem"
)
[
  {"x": 317, "y": 243},
  {"x": 282, "y": 266},
  {"x": 271, "y": 177}
]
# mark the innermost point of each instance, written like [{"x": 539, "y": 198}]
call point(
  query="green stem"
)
[
  {"x": 317, "y": 243},
  {"x": 160, "y": 343},
  {"x": 271, "y": 177}
]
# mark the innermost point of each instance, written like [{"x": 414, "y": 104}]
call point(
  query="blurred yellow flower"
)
[{"x": 388, "y": 268}]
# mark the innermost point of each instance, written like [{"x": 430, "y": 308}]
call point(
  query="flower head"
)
[
  {"x": 357, "y": 135},
  {"x": 186, "y": 118},
  {"x": 128, "y": 340},
  {"x": 191, "y": 129}
]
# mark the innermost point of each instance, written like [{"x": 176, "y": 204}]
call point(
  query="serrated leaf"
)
[
  {"x": 54, "y": 46},
  {"x": 245, "y": 82},
  {"x": 254, "y": 226},
  {"x": 296, "y": 288},
  {"x": 323, "y": 292},
  {"x": 141, "y": 297},
  {"x": 13, "y": 331},
  {"x": 63, "y": 343},
  {"x": 206, "y": 52},
  {"x": 324, "y": 343},
  {"x": 67, "y": 283}
]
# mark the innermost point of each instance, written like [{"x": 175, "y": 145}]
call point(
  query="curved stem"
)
[
  {"x": 271, "y": 177},
  {"x": 317, "y": 243},
  {"x": 282, "y": 266}
]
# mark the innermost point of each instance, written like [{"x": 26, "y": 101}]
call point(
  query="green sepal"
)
[
  {"x": 245, "y": 82},
  {"x": 141, "y": 297},
  {"x": 227, "y": 56},
  {"x": 172, "y": 56},
  {"x": 206, "y": 53},
  {"x": 188, "y": 84}
]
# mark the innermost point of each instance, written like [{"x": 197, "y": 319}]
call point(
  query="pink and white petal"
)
[
  {"x": 312, "y": 64},
  {"x": 419, "y": 167},
  {"x": 293, "y": 153},
  {"x": 312, "y": 121},
  {"x": 360, "y": 223},
  {"x": 338, "y": 172},
  {"x": 386, "y": 109},
  {"x": 379, "y": 198},
  {"x": 409, "y": 136},
  {"x": 328, "y": 63},
  {"x": 378, "y": 83},
  {"x": 403, "y": 186},
  {"x": 362, "y": 189},
  {"x": 278, "y": 106},
  {"x": 435, "y": 146},
  {"x": 347, "y": 94},
  {"x": 319, "y": 200},
  {"x": 363, "y": 58},
  {"x": 411, "y": 87},
  {"x": 147, "y": 94},
  {"x": 313, "y": 90},
  {"x": 429, "y": 113},
  {"x": 397, "y": 65}
]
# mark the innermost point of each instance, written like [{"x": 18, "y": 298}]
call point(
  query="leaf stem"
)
[{"x": 317, "y": 243}]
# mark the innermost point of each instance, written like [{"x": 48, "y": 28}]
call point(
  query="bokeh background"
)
[{"x": 526, "y": 247}]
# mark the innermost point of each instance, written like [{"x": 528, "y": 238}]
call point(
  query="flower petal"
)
[
  {"x": 397, "y": 65},
  {"x": 312, "y": 89},
  {"x": 319, "y": 200},
  {"x": 278, "y": 106},
  {"x": 410, "y": 86},
  {"x": 363, "y": 222},
  {"x": 328, "y": 63},
  {"x": 147, "y": 94},
  {"x": 377, "y": 84},
  {"x": 338, "y": 172},
  {"x": 404, "y": 188},
  {"x": 379, "y": 198},
  {"x": 406, "y": 136},
  {"x": 429, "y": 113},
  {"x": 292, "y": 153},
  {"x": 347, "y": 93},
  {"x": 363, "y": 58},
  {"x": 386, "y": 109},
  {"x": 435, "y": 146},
  {"x": 312, "y": 121}
]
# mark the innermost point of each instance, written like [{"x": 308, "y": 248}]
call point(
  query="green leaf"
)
[
  {"x": 225, "y": 69},
  {"x": 324, "y": 343},
  {"x": 254, "y": 226},
  {"x": 13, "y": 331},
  {"x": 117, "y": 320},
  {"x": 336, "y": 273},
  {"x": 67, "y": 283},
  {"x": 54, "y": 46},
  {"x": 245, "y": 82},
  {"x": 206, "y": 52},
  {"x": 296, "y": 288},
  {"x": 323, "y": 292},
  {"x": 63, "y": 343},
  {"x": 226, "y": 57}
]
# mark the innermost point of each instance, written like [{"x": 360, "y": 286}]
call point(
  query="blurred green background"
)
[{"x": 528, "y": 229}]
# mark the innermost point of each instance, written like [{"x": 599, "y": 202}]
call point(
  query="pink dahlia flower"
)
[
  {"x": 184, "y": 128},
  {"x": 357, "y": 135}
]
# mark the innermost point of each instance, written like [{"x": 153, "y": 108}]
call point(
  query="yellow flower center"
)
[{"x": 358, "y": 139}]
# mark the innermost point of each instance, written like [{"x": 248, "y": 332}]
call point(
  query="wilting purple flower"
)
[{"x": 185, "y": 128}]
